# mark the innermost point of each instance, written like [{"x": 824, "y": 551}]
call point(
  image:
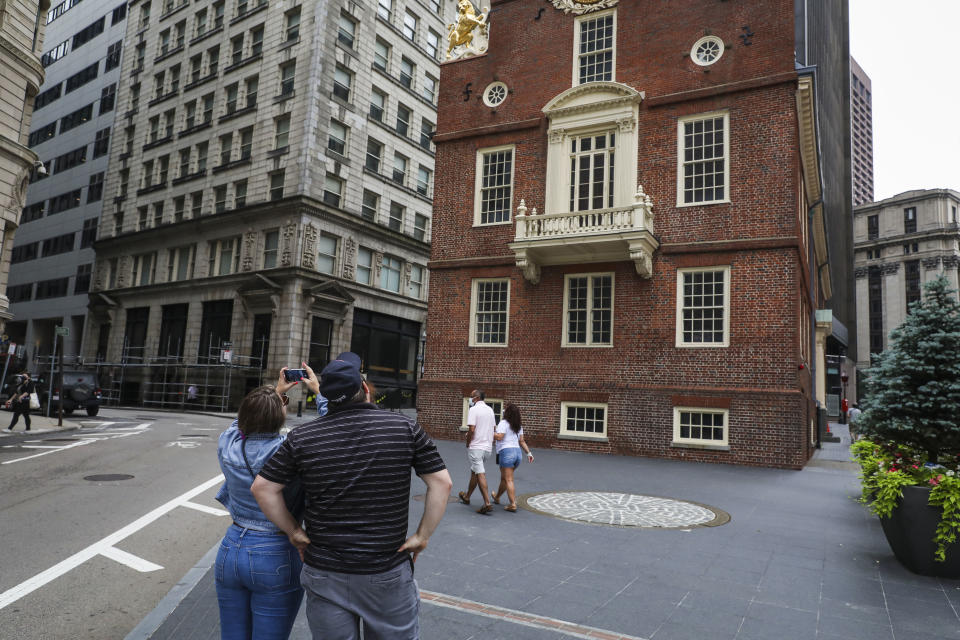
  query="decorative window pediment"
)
[{"x": 593, "y": 97}]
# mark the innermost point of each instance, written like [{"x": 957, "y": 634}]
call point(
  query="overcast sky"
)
[{"x": 909, "y": 51}]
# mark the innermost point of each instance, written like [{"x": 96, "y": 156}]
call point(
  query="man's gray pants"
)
[{"x": 388, "y": 603}]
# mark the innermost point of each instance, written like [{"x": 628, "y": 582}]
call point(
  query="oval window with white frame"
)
[
  {"x": 706, "y": 50},
  {"x": 495, "y": 94}
]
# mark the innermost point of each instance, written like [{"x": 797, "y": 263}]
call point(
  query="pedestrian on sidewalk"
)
[
  {"x": 355, "y": 466},
  {"x": 509, "y": 439},
  {"x": 480, "y": 427},
  {"x": 21, "y": 400},
  {"x": 852, "y": 416},
  {"x": 258, "y": 569}
]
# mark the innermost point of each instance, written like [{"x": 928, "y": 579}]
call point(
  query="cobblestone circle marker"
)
[{"x": 624, "y": 510}]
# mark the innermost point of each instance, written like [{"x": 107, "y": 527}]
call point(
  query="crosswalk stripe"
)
[{"x": 134, "y": 562}]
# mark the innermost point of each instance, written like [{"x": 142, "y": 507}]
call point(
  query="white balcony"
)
[{"x": 582, "y": 237}]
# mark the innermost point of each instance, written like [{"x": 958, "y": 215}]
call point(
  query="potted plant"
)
[{"x": 910, "y": 452}]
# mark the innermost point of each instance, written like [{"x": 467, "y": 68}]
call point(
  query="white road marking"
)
[
  {"x": 46, "y": 453},
  {"x": 13, "y": 594},
  {"x": 184, "y": 444},
  {"x": 134, "y": 562},
  {"x": 204, "y": 508},
  {"x": 132, "y": 431},
  {"x": 40, "y": 446}
]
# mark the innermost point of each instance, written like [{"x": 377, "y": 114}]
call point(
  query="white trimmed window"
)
[
  {"x": 588, "y": 310},
  {"x": 493, "y": 191},
  {"x": 326, "y": 253},
  {"x": 693, "y": 425},
  {"x": 703, "y": 307},
  {"x": 591, "y": 171},
  {"x": 494, "y": 403},
  {"x": 583, "y": 419},
  {"x": 703, "y": 169},
  {"x": 489, "y": 313},
  {"x": 594, "y": 40}
]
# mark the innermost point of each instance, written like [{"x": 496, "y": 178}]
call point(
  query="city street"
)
[{"x": 87, "y": 557}]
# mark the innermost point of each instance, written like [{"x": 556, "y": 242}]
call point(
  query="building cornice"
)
[
  {"x": 28, "y": 61},
  {"x": 810, "y": 160},
  {"x": 915, "y": 195}
]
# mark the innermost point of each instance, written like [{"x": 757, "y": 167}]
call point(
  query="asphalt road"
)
[{"x": 86, "y": 558}]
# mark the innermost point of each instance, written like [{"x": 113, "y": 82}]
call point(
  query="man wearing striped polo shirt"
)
[{"x": 355, "y": 465}]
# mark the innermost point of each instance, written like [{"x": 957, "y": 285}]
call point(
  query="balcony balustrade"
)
[{"x": 580, "y": 237}]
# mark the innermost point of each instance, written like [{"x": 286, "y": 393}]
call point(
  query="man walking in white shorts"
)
[{"x": 481, "y": 424}]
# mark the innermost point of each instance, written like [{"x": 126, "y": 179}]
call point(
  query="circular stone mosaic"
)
[{"x": 624, "y": 510}]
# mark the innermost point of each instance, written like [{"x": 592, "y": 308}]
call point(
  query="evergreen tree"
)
[{"x": 913, "y": 392}]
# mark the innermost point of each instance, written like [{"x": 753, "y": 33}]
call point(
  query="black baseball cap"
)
[
  {"x": 351, "y": 358},
  {"x": 341, "y": 379}
]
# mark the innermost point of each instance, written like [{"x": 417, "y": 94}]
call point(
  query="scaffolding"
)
[{"x": 216, "y": 382}]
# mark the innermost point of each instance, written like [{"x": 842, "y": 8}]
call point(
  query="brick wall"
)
[{"x": 758, "y": 376}]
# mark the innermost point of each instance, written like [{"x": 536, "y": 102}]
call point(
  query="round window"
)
[
  {"x": 494, "y": 94},
  {"x": 706, "y": 50}
]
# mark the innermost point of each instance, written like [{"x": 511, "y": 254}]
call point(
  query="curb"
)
[
  {"x": 9, "y": 434},
  {"x": 153, "y": 620}
]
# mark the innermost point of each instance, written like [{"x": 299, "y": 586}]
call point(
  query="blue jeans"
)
[
  {"x": 388, "y": 603},
  {"x": 258, "y": 585}
]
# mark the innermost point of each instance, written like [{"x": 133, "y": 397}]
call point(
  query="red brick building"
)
[{"x": 623, "y": 238}]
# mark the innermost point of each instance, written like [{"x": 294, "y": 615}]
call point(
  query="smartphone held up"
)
[{"x": 294, "y": 375}]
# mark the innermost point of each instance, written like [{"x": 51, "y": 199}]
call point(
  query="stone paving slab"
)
[{"x": 799, "y": 558}]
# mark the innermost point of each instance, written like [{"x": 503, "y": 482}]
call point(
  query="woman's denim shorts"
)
[{"x": 510, "y": 458}]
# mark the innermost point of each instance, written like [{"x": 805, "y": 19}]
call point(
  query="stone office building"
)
[
  {"x": 901, "y": 243},
  {"x": 629, "y": 236},
  {"x": 270, "y": 193},
  {"x": 21, "y": 41}
]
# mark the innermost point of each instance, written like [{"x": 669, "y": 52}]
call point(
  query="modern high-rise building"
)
[
  {"x": 21, "y": 74},
  {"x": 861, "y": 123},
  {"x": 269, "y": 196},
  {"x": 901, "y": 242},
  {"x": 629, "y": 237},
  {"x": 52, "y": 258},
  {"x": 822, "y": 37}
]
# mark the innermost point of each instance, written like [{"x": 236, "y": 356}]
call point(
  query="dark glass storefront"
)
[{"x": 388, "y": 347}]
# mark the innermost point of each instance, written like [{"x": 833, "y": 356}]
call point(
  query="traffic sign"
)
[{"x": 63, "y": 331}]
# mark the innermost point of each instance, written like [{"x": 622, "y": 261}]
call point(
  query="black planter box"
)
[{"x": 910, "y": 530}]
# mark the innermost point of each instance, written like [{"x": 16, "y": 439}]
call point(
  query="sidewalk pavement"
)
[
  {"x": 799, "y": 558},
  {"x": 38, "y": 424}
]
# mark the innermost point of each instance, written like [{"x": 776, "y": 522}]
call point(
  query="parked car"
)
[{"x": 81, "y": 390}]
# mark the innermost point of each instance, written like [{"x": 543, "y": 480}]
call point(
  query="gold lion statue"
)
[{"x": 461, "y": 31}]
